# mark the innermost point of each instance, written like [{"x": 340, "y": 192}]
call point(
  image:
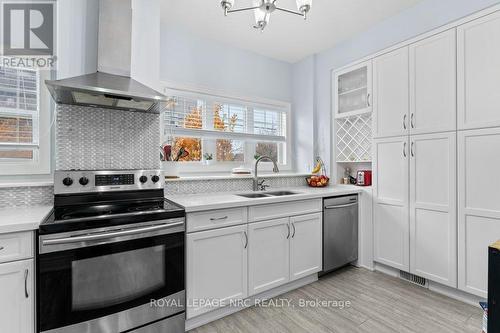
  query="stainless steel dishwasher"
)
[{"x": 340, "y": 232}]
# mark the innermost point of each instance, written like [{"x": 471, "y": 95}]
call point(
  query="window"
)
[
  {"x": 231, "y": 132},
  {"x": 21, "y": 123}
]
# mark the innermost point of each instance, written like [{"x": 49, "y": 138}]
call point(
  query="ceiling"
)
[{"x": 287, "y": 37}]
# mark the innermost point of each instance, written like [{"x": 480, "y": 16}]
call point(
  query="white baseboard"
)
[
  {"x": 225, "y": 311},
  {"x": 436, "y": 287}
]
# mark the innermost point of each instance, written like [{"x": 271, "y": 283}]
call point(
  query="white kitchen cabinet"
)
[
  {"x": 268, "y": 255},
  {"x": 479, "y": 73},
  {"x": 216, "y": 267},
  {"x": 433, "y": 84},
  {"x": 305, "y": 245},
  {"x": 433, "y": 220},
  {"x": 391, "y": 200},
  {"x": 352, "y": 88},
  {"x": 478, "y": 206},
  {"x": 16, "y": 297},
  {"x": 391, "y": 94}
]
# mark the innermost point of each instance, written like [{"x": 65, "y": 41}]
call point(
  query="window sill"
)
[
  {"x": 26, "y": 184},
  {"x": 230, "y": 176}
]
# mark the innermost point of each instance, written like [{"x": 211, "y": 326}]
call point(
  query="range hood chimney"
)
[{"x": 111, "y": 86}]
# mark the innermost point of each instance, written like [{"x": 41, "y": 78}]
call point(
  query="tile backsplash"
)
[
  {"x": 228, "y": 184},
  {"x": 93, "y": 138},
  {"x": 26, "y": 196}
]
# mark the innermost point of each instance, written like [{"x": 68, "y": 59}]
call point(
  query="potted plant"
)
[{"x": 209, "y": 158}]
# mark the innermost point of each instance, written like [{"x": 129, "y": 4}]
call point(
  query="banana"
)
[{"x": 317, "y": 168}]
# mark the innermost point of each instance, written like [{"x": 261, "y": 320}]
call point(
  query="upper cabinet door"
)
[
  {"x": 352, "y": 90},
  {"x": 391, "y": 94},
  {"x": 433, "y": 84},
  {"x": 479, "y": 73}
]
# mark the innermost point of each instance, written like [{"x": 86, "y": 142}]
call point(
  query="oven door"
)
[{"x": 110, "y": 280}]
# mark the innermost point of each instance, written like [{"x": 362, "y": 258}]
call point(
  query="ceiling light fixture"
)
[{"x": 263, "y": 9}]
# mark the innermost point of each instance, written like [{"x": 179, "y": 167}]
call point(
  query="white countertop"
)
[
  {"x": 17, "y": 219},
  {"x": 209, "y": 201}
]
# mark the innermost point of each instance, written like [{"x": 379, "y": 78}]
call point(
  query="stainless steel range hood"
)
[
  {"x": 110, "y": 87},
  {"x": 106, "y": 91}
]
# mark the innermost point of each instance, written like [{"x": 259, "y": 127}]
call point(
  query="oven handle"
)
[{"x": 105, "y": 235}]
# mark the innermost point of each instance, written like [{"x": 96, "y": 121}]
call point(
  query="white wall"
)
[
  {"x": 194, "y": 62},
  {"x": 77, "y": 28},
  {"x": 423, "y": 17},
  {"x": 303, "y": 110}
]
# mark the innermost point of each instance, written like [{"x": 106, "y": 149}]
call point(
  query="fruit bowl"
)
[{"x": 318, "y": 181}]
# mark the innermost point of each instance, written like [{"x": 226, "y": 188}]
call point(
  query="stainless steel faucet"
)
[{"x": 260, "y": 185}]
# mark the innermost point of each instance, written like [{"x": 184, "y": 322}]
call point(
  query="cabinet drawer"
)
[
  {"x": 216, "y": 219},
  {"x": 284, "y": 209},
  {"x": 16, "y": 246}
]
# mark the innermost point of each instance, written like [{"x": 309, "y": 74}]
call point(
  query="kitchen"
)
[{"x": 185, "y": 166}]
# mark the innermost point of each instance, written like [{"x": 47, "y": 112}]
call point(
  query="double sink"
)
[{"x": 267, "y": 194}]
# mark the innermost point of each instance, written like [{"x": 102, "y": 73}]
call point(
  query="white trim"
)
[
  {"x": 41, "y": 163},
  {"x": 206, "y": 133}
]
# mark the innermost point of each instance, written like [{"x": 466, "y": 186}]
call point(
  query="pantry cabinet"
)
[
  {"x": 479, "y": 206},
  {"x": 268, "y": 255},
  {"x": 216, "y": 267},
  {"x": 305, "y": 245},
  {"x": 391, "y": 94},
  {"x": 16, "y": 297},
  {"x": 433, "y": 220},
  {"x": 432, "y": 81},
  {"x": 479, "y": 73},
  {"x": 352, "y": 88},
  {"x": 391, "y": 200}
]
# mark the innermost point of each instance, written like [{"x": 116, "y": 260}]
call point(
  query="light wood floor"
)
[{"x": 379, "y": 303}]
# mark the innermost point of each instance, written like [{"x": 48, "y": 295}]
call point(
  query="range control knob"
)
[
  {"x": 83, "y": 181},
  {"x": 155, "y": 179},
  {"x": 67, "y": 181},
  {"x": 143, "y": 179}
]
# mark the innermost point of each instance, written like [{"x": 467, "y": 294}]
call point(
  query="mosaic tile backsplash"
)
[
  {"x": 26, "y": 196},
  {"x": 92, "y": 138},
  {"x": 228, "y": 185}
]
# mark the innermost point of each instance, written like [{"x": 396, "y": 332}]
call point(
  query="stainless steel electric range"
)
[{"x": 111, "y": 255}]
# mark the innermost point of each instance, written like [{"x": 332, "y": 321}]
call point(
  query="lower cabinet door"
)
[
  {"x": 305, "y": 245},
  {"x": 216, "y": 268},
  {"x": 391, "y": 220},
  {"x": 433, "y": 217},
  {"x": 268, "y": 255},
  {"x": 16, "y": 297},
  {"x": 478, "y": 206}
]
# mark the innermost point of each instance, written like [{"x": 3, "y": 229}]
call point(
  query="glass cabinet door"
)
[{"x": 352, "y": 90}]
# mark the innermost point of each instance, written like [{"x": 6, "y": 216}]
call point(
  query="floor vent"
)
[{"x": 415, "y": 279}]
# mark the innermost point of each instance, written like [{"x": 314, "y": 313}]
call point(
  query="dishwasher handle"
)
[{"x": 341, "y": 206}]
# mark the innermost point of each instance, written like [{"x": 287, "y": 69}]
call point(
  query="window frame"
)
[
  {"x": 40, "y": 165},
  {"x": 210, "y": 96}
]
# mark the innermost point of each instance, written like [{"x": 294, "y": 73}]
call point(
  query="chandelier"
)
[{"x": 263, "y": 8}]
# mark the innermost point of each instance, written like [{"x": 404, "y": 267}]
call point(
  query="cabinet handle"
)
[
  {"x": 218, "y": 218},
  {"x": 26, "y": 294},
  {"x": 293, "y": 226},
  {"x": 411, "y": 121},
  {"x": 368, "y": 99},
  {"x": 246, "y": 239},
  {"x": 288, "y": 227},
  {"x": 412, "y": 155},
  {"x": 404, "y": 149},
  {"x": 404, "y": 121}
]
